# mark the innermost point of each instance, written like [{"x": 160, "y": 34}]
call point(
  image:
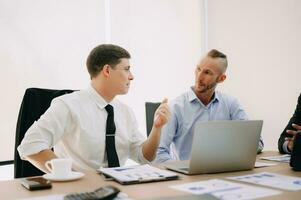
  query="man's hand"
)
[
  {"x": 150, "y": 146},
  {"x": 290, "y": 144},
  {"x": 162, "y": 114}
]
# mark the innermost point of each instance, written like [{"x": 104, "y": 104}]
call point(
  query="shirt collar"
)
[
  {"x": 192, "y": 96},
  {"x": 99, "y": 100}
]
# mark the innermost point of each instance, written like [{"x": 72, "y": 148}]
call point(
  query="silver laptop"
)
[{"x": 221, "y": 146}]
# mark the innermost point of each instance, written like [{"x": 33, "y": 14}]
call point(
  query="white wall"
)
[
  {"x": 43, "y": 44},
  {"x": 262, "y": 41},
  {"x": 164, "y": 38}
]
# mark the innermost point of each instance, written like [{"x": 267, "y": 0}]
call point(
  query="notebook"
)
[
  {"x": 221, "y": 146},
  {"x": 138, "y": 174}
]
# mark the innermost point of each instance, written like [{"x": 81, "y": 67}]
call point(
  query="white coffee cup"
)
[{"x": 59, "y": 167}]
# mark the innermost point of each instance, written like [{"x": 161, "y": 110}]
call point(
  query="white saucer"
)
[{"x": 71, "y": 177}]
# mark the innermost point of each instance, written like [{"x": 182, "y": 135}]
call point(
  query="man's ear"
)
[
  {"x": 106, "y": 70},
  {"x": 222, "y": 78}
]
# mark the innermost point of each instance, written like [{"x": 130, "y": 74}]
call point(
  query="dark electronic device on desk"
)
[
  {"x": 36, "y": 183},
  {"x": 103, "y": 193}
]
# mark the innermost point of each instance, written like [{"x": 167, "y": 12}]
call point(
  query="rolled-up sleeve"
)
[
  {"x": 136, "y": 139},
  {"x": 45, "y": 132},
  {"x": 167, "y": 135}
]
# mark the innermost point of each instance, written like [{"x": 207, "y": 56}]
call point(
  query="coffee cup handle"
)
[{"x": 48, "y": 165}]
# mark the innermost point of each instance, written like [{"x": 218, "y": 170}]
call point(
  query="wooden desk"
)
[{"x": 13, "y": 190}]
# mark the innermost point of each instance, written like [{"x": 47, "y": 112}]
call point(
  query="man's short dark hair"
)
[
  {"x": 105, "y": 54},
  {"x": 223, "y": 58},
  {"x": 216, "y": 54}
]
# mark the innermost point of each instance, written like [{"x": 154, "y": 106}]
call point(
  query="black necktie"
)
[{"x": 112, "y": 156}]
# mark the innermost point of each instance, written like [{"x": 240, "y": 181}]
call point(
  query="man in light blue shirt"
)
[{"x": 201, "y": 103}]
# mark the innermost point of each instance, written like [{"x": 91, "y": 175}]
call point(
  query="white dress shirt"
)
[{"x": 75, "y": 125}]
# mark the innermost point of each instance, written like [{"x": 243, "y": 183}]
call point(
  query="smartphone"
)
[{"x": 36, "y": 183}]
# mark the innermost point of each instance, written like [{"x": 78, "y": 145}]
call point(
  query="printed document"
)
[
  {"x": 282, "y": 158},
  {"x": 138, "y": 174},
  {"x": 225, "y": 189},
  {"x": 263, "y": 164},
  {"x": 271, "y": 180}
]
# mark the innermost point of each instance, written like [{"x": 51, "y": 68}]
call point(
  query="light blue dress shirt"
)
[{"x": 186, "y": 110}]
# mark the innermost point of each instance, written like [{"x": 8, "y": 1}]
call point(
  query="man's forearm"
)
[
  {"x": 39, "y": 159},
  {"x": 150, "y": 146}
]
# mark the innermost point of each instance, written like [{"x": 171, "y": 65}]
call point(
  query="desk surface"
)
[{"x": 13, "y": 190}]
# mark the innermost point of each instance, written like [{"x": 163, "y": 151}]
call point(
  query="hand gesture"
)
[
  {"x": 290, "y": 144},
  {"x": 162, "y": 114}
]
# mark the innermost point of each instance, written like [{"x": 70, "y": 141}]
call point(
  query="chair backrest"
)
[
  {"x": 35, "y": 102},
  {"x": 150, "y": 108}
]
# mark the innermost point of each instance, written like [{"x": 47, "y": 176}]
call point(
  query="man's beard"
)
[{"x": 208, "y": 88}]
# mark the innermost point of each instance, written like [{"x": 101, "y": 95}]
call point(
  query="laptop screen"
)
[{"x": 225, "y": 146}]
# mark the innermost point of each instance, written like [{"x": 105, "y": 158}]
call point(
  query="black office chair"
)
[
  {"x": 150, "y": 108},
  {"x": 35, "y": 102}
]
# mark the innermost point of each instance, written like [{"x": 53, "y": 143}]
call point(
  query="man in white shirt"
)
[{"x": 75, "y": 124}]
